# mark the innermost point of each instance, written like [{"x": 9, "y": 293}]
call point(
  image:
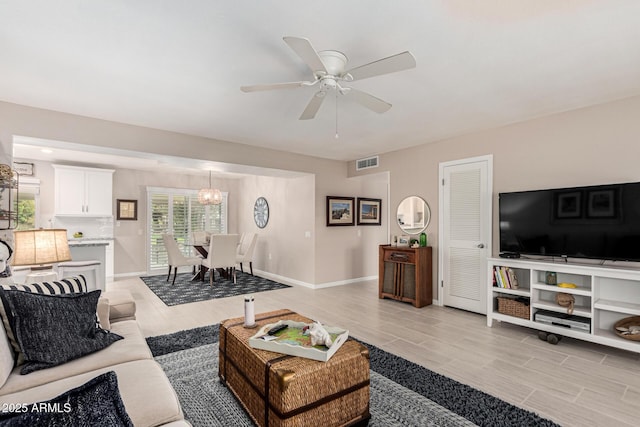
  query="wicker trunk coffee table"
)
[{"x": 281, "y": 390}]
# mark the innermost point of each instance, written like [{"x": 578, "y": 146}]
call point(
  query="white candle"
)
[{"x": 249, "y": 313}]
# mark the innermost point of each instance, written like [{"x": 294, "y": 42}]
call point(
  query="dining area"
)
[{"x": 210, "y": 253}]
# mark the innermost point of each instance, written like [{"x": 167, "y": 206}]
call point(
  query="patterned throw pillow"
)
[
  {"x": 68, "y": 285},
  {"x": 96, "y": 403},
  {"x": 54, "y": 329}
]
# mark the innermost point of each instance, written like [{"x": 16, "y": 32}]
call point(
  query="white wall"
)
[
  {"x": 590, "y": 146},
  {"x": 282, "y": 248},
  {"x": 291, "y": 202},
  {"x": 131, "y": 236},
  {"x": 594, "y": 145},
  {"x": 330, "y": 255}
]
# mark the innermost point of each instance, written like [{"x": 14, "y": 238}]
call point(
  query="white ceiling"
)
[{"x": 178, "y": 65}]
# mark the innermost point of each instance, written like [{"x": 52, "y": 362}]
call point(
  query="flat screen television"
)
[{"x": 599, "y": 222}]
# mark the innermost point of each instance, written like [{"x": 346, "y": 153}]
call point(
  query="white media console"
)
[{"x": 603, "y": 294}]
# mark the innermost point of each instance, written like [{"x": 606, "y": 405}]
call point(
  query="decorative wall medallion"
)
[{"x": 261, "y": 212}]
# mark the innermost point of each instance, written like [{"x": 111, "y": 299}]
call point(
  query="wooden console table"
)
[{"x": 405, "y": 274}]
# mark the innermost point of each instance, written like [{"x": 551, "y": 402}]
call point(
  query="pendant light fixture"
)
[{"x": 209, "y": 196}]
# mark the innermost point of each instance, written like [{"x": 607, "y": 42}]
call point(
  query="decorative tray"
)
[
  {"x": 292, "y": 341},
  {"x": 627, "y": 328}
]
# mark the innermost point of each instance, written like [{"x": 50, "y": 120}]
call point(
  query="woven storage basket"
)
[
  {"x": 625, "y": 323},
  {"x": 280, "y": 390},
  {"x": 511, "y": 307}
]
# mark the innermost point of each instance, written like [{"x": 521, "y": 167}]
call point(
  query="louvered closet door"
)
[{"x": 466, "y": 229}]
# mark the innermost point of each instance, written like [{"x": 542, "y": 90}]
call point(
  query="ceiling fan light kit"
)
[
  {"x": 329, "y": 70},
  {"x": 334, "y": 62}
]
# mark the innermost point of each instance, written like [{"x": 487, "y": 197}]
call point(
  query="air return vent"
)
[{"x": 369, "y": 162}]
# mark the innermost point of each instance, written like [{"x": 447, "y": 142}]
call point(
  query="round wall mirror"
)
[{"x": 413, "y": 215}]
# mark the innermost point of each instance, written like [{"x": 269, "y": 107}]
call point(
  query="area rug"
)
[
  {"x": 402, "y": 393},
  {"x": 185, "y": 291}
]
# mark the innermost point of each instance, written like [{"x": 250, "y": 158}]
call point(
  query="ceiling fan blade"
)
[
  {"x": 369, "y": 101},
  {"x": 312, "y": 107},
  {"x": 391, "y": 64},
  {"x": 306, "y": 52},
  {"x": 256, "y": 88}
]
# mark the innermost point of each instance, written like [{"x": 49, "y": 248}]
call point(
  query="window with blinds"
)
[{"x": 177, "y": 211}]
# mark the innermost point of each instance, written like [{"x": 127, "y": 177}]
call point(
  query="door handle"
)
[
  {"x": 400, "y": 257},
  {"x": 480, "y": 246}
]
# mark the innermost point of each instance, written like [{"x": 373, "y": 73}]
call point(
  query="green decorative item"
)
[{"x": 423, "y": 239}]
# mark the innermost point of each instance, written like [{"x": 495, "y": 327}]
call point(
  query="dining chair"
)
[
  {"x": 245, "y": 250},
  {"x": 200, "y": 237},
  {"x": 176, "y": 257},
  {"x": 222, "y": 254}
]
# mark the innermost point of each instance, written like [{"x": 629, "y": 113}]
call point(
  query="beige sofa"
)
[{"x": 148, "y": 397}]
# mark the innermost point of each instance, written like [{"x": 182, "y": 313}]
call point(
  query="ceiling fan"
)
[{"x": 329, "y": 71}]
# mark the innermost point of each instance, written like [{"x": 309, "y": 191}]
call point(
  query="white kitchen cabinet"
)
[{"x": 81, "y": 191}]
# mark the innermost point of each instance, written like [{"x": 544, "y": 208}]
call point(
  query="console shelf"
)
[
  {"x": 516, "y": 292},
  {"x": 618, "y": 307},
  {"x": 603, "y": 296},
  {"x": 554, "y": 288},
  {"x": 551, "y": 306}
]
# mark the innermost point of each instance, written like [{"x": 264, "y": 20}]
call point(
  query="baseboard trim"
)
[
  {"x": 134, "y": 274},
  {"x": 345, "y": 282},
  {"x": 154, "y": 272},
  {"x": 290, "y": 281},
  {"x": 266, "y": 275}
]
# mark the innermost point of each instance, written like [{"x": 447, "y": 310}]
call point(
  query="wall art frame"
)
[
  {"x": 340, "y": 211},
  {"x": 126, "y": 210},
  {"x": 568, "y": 205},
  {"x": 23, "y": 168},
  {"x": 602, "y": 204},
  {"x": 369, "y": 211}
]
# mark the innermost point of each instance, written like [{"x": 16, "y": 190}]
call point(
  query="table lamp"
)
[{"x": 40, "y": 248}]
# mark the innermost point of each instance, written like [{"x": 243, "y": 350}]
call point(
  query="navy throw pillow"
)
[
  {"x": 97, "y": 403},
  {"x": 52, "y": 330}
]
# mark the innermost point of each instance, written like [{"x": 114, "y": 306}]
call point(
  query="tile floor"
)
[{"x": 574, "y": 383}]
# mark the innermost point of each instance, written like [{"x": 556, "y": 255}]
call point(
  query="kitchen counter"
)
[
  {"x": 95, "y": 248},
  {"x": 89, "y": 240},
  {"x": 87, "y": 243}
]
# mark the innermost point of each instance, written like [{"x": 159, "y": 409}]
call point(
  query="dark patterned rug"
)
[
  {"x": 402, "y": 393},
  {"x": 185, "y": 291}
]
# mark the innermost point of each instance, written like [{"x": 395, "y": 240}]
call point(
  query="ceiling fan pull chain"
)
[{"x": 336, "y": 114}]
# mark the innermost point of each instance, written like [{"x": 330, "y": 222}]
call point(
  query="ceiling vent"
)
[{"x": 368, "y": 163}]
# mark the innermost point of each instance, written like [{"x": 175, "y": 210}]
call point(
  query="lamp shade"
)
[
  {"x": 43, "y": 246},
  {"x": 210, "y": 196}
]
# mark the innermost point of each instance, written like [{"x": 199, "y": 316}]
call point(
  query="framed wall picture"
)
[
  {"x": 340, "y": 210},
  {"x": 369, "y": 211},
  {"x": 403, "y": 241},
  {"x": 127, "y": 210},
  {"x": 568, "y": 205},
  {"x": 602, "y": 204},
  {"x": 24, "y": 169}
]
